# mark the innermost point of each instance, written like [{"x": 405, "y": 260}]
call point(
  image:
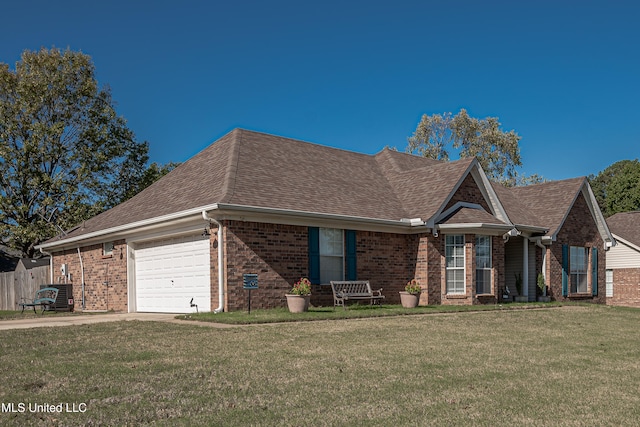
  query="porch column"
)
[{"x": 525, "y": 266}]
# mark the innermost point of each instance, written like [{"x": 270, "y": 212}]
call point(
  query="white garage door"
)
[{"x": 170, "y": 272}]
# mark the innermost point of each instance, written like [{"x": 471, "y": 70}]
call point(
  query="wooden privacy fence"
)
[{"x": 15, "y": 285}]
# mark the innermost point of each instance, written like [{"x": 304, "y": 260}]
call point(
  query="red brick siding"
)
[
  {"x": 626, "y": 287},
  {"x": 98, "y": 270},
  {"x": 435, "y": 267},
  {"x": 277, "y": 253},
  {"x": 497, "y": 275},
  {"x": 388, "y": 261},
  {"x": 579, "y": 229},
  {"x": 470, "y": 193},
  {"x": 422, "y": 269}
]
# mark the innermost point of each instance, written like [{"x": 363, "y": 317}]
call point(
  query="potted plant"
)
[
  {"x": 410, "y": 297},
  {"x": 299, "y": 296},
  {"x": 520, "y": 297},
  {"x": 542, "y": 289},
  {"x": 506, "y": 295}
]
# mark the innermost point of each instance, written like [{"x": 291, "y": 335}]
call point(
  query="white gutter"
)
[
  {"x": 42, "y": 251},
  {"x": 82, "y": 275},
  {"x": 220, "y": 308},
  {"x": 130, "y": 226},
  {"x": 224, "y": 208},
  {"x": 474, "y": 225}
]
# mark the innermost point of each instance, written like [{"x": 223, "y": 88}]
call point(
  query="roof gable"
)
[
  {"x": 425, "y": 190},
  {"x": 545, "y": 204},
  {"x": 548, "y": 205}
]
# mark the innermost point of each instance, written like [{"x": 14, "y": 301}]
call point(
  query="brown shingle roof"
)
[
  {"x": 255, "y": 169},
  {"x": 202, "y": 179},
  {"x": 423, "y": 190},
  {"x": 543, "y": 205},
  {"x": 283, "y": 173},
  {"x": 626, "y": 225}
]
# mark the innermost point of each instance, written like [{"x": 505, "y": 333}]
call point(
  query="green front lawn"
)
[{"x": 566, "y": 366}]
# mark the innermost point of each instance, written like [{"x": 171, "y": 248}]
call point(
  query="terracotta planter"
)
[
  {"x": 409, "y": 300},
  {"x": 298, "y": 303}
]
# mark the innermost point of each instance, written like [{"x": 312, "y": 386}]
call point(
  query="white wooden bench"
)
[{"x": 354, "y": 290}]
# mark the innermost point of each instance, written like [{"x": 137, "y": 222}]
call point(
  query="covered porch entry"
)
[{"x": 524, "y": 260}]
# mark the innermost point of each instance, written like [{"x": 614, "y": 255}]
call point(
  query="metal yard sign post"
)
[{"x": 250, "y": 282}]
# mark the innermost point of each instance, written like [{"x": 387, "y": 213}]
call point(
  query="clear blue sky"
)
[{"x": 358, "y": 75}]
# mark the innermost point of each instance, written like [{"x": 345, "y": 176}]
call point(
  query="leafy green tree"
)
[
  {"x": 617, "y": 188},
  {"x": 63, "y": 148},
  {"x": 132, "y": 185},
  {"x": 497, "y": 150},
  {"x": 521, "y": 180}
]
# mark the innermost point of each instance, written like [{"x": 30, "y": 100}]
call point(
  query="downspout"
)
[
  {"x": 82, "y": 278},
  {"x": 50, "y": 255},
  {"x": 220, "y": 308}
]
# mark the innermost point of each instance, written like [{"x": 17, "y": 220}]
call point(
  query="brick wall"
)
[
  {"x": 626, "y": 287},
  {"x": 423, "y": 269},
  {"x": 498, "y": 282},
  {"x": 388, "y": 261},
  {"x": 277, "y": 253},
  {"x": 470, "y": 193},
  {"x": 579, "y": 229},
  {"x": 435, "y": 268},
  {"x": 105, "y": 277}
]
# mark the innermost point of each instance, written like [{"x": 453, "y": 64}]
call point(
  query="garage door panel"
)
[{"x": 170, "y": 272}]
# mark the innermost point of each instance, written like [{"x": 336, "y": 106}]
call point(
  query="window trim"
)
[
  {"x": 608, "y": 274},
  {"x": 322, "y": 255},
  {"x": 448, "y": 269},
  {"x": 483, "y": 269},
  {"x": 577, "y": 274}
]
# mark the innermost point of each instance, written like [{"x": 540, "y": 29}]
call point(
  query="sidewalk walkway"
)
[{"x": 86, "y": 319}]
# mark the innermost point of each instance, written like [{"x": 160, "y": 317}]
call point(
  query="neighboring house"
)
[
  {"x": 623, "y": 260},
  {"x": 252, "y": 203}
]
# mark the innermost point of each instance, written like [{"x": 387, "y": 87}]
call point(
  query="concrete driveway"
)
[{"x": 85, "y": 319}]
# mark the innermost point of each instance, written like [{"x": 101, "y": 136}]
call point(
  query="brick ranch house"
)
[
  {"x": 623, "y": 260},
  {"x": 285, "y": 209}
]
